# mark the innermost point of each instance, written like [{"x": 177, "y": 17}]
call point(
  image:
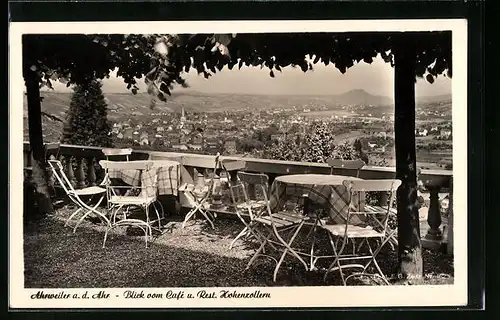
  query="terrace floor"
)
[{"x": 197, "y": 256}]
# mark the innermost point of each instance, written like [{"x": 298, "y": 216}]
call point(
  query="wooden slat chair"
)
[
  {"x": 252, "y": 189},
  {"x": 245, "y": 209},
  {"x": 143, "y": 197},
  {"x": 346, "y": 164},
  {"x": 77, "y": 195},
  {"x": 349, "y": 232},
  {"x": 270, "y": 224},
  {"x": 200, "y": 196}
]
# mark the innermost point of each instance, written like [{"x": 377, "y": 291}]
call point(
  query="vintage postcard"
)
[{"x": 238, "y": 164}]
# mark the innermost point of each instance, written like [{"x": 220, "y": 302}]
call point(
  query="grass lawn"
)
[{"x": 197, "y": 256}]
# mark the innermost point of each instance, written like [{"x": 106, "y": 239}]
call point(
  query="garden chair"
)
[
  {"x": 75, "y": 195},
  {"x": 350, "y": 232},
  {"x": 117, "y": 153},
  {"x": 142, "y": 197},
  {"x": 269, "y": 225},
  {"x": 346, "y": 164},
  {"x": 199, "y": 196},
  {"x": 247, "y": 201}
]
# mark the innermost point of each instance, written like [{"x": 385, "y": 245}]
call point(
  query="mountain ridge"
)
[{"x": 57, "y": 103}]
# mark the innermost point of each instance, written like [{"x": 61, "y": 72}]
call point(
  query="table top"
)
[{"x": 315, "y": 179}]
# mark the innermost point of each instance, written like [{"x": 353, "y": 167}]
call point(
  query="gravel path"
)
[{"x": 196, "y": 256}]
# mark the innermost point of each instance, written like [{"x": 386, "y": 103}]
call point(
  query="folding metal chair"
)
[
  {"x": 200, "y": 195},
  {"x": 248, "y": 201},
  {"x": 143, "y": 197},
  {"x": 75, "y": 195},
  {"x": 271, "y": 225},
  {"x": 346, "y": 164},
  {"x": 365, "y": 233}
]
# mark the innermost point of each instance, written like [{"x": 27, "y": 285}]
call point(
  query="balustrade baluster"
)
[
  {"x": 91, "y": 177},
  {"x": 69, "y": 171},
  {"x": 80, "y": 175},
  {"x": 434, "y": 236}
]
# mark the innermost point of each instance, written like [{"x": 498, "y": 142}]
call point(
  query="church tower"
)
[{"x": 183, "y": 116}]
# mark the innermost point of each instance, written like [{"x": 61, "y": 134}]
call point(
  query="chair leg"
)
[
  {"x": 257, "y": 253},
  {"x": 191, "y": 213},
  {"x": 106, "y": 235},
  {"x": 241, "y": 234},
  {"x": 205, "y": 214},
  {"x": 311, "y": 267},
  {"x": 157, "y": 216},
  {"x": 188, "y": 216},
  {"x": 71, "y": 216},
  {"x": 373, "y": 259},
  {"x": 337, "y": 259},
  {"x": 148, "y": 223},
  {"x": 288, "y": 245},
  {"x": 86, "y": 214}
]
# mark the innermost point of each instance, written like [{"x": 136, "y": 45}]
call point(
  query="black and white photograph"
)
[{"x": 238, "y": 164}]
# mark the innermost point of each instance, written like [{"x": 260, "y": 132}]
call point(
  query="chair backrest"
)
[
  {"x": 110, "y": 152},
  {"x": 381, "y": 185},
  {"x": 379, "y": 213},
  {"x": 238, "y": 194},
  {"x": 58, "y": 172},
  {"x": 52, "y": 149},
  {"x": 357, "y": 165},
  {"x": 372, "y": 185},
  {"x": 256, "y": 184}
]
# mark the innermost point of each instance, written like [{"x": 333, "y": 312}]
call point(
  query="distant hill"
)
[
  {"x": 120, "y": 104},
  {"x": 361, "y": 97}
]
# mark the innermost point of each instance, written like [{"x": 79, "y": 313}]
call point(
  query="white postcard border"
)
[{"x": 442, "y": 295}]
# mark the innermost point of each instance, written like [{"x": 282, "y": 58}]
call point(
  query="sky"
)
[{"x": 376, "y": 78}]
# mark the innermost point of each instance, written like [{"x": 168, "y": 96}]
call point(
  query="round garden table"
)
[{"x": 324, "y": 190}]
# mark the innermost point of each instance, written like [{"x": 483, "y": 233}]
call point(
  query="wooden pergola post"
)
[
  {"x": 40, "y": 175},
  {"x": 410, "y": 248}
]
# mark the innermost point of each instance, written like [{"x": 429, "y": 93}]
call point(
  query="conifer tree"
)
[{"x": 87, "y": 122}]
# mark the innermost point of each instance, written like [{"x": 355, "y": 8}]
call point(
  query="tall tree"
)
[
  {"x": 87, "y": 122},
  {"x": 76, "y": 59}
]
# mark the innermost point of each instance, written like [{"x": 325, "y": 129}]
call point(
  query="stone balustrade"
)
[{"x": 82, "y": 169}]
